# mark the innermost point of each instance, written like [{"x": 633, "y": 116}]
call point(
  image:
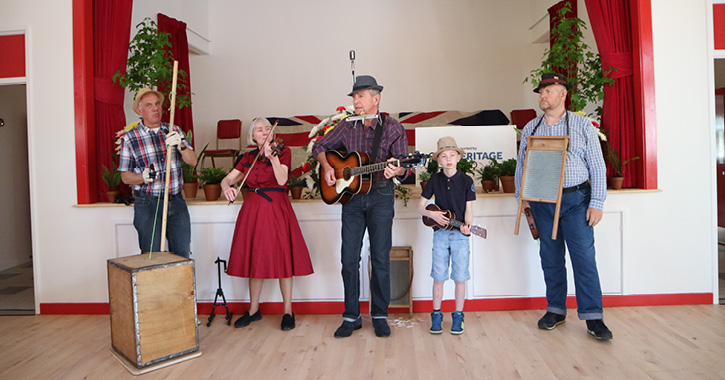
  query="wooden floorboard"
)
[{"x": 658, "y": 342}]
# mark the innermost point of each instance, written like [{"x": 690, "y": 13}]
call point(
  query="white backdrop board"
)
[{"x": 479, "y": 143}]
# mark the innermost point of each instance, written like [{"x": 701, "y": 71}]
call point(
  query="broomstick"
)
[{"x": 168, "y": 161}]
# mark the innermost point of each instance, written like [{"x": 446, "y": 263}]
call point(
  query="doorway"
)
[
  {"x": 16, "y": 255},
  {"x": 720, "y": 171}
]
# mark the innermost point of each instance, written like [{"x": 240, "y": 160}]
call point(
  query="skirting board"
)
[{"x": 419, "y": 306}]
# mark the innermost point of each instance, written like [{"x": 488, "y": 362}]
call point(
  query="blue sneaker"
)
[
  {"x": 436, "y": 318},
  {"x": 457, "y": 326}
]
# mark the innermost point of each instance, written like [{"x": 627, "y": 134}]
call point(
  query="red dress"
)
[{"x": 267, "y": 242}]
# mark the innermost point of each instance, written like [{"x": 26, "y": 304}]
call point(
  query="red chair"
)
[
  {"x": 226, "y": 130},
  {"x": 519, "y": 118}
]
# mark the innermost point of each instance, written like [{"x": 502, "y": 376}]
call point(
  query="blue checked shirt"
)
[
  {"x": 143, "y": 146},
  {"x": 584, "y": 159}
]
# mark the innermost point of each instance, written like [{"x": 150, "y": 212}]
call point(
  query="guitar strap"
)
[{"x": 376, "y": 139}]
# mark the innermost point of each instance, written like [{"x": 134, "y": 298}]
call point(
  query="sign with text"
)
[{"x": 479, "y": 143}]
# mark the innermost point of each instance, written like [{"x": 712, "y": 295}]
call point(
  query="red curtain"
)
[
  {"x": 180, "y": 51},
  {"x": 612, "y": 27},
  {"x": 111, "y": 33}
]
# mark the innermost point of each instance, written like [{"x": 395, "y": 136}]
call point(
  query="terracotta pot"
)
[
  {"x": 422, "y": 185},
  {"x": 111, "y": 195},
  {"x": 508, "y": 183},
  {"x": 615, "y": 183},
  {"x": 190, "y": 190},
  {"x": 212, "y": 192},
  {"x": 296, "y": 192},
  {"x": 487, "y": 185}
]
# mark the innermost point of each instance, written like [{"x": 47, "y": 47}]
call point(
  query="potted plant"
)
[
  {"x": 150, "y": 64},
  {"x": 615, "y": 182},
  {"x": 191, "y": 185},
  {"x": 112, "y": 179},
  {"x": 507, "y": 173},
  {"x": 467, "y": 165},
  {"x": 212, "y": 178},
  {"x": 570, "y": 56},
  {"x": 295, "y": 185},
  {"x": 430, "y": 169},
  {"x": 487, "y": 175}
]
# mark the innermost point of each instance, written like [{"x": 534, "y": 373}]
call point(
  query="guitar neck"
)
[{"x": 372, "y": 168}]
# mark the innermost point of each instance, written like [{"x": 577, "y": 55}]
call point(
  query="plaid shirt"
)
[
  {"x": 355, "y": 137},
  {"x": 584, "y": 159},
  {"x": 143, "y": 146}
]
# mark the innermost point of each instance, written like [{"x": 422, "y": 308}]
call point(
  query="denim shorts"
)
[{"x": 450, "y": 247}]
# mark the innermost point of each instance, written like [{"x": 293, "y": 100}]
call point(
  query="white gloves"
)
[
  {"x": 173, "y": 139},
  {"x": 149, "y": 174}
]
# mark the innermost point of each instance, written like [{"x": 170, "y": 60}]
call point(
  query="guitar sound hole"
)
[{"x": 346, "y": 174}]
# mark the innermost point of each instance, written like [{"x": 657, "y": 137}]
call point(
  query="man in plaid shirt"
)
[
  {"x": 373, "y": 211},
  {"x": 143, "y": 165}
]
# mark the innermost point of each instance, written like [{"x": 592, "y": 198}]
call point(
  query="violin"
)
[{"x": 277, "y": 146}]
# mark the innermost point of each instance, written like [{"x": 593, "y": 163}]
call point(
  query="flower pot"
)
[
  {"x": 508, "y": 183},
  {"x": 487, "y": 185},
  {"x": 615, "y": 183},
  {"x": 212, "y": 192},
  {"x": 422, "y": 185},
  {"x": 111, "y": 195},
  {"x": 190, "y": 190},
  {"x": 296, "y": 192}
]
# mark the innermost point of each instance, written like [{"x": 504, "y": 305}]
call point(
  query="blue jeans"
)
[
  {"x": 178, "y": 223},
  {"x": 374, "y": 211},
  {"x": 579, "y": 237}
]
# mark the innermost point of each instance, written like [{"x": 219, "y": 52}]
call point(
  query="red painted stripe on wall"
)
[
  {"x": 12, "y": 65},
  {"x": 718, "y": 25},
  {"x": 489, "y": 304}
]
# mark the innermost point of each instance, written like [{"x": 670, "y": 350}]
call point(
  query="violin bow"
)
[{"x": 266, "y": 139}]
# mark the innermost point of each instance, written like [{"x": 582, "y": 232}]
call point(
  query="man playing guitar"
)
[{"x": 383, "y": 139}]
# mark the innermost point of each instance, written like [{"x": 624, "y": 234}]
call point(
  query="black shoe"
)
[
  {"x": 381, "y": 327},
  {"x": 551, "y": 320},
  {"x": 346, "y": 328},
  {"x": 246, "y": 319},
  {"x": 598, "y": 329},
  {"x": 288, "y": 322}
]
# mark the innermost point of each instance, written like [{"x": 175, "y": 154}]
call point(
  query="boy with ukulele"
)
[{"x": 454, "y": 195}]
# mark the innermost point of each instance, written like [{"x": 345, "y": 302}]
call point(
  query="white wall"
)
[{"x": 668, "y": 240}]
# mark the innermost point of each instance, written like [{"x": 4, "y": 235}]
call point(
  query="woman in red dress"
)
[{"x": 267, "y": 242}]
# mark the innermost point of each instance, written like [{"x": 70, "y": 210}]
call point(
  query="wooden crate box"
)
[{"x": 153, "y": 307}]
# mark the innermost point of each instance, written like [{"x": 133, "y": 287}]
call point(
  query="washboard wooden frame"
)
[{"x": 543, "y": 175}]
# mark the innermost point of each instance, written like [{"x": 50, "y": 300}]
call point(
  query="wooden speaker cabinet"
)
[
  {"x": 153, "y": 308},
  {"x": 401, "y": 277}
]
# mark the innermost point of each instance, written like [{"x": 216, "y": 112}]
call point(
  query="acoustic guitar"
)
[
  {"x": 452, "y": 222},
  {"x": 353, "y": 174}
]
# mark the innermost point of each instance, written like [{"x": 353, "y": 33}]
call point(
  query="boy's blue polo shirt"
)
[{"x": 451, "y": 193}]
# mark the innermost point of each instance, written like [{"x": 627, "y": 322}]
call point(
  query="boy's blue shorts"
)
[{"x": 450, "y": 247}]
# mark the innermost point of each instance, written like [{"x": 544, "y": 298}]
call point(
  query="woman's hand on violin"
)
[{"x": 230, "y": 193}]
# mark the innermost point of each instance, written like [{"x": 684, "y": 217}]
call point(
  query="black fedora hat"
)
[
  {"x": 364, "y": 82},
  {"x": 547, "y": 79}
]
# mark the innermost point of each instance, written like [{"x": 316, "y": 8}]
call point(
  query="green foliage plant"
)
[
  {"x": 296, "y": 181},
  {"x": 508, "y": 167},
  {"x": 430, "y": 169},
  {"x": 616, "y": 160},
  {"x": 212, "y": 176},
  {"x": 188, "y": 171},
  {"x": 151, "y": 65},
  {"x": 402, "y": 192},
  {"x": 490, "y": 172},
  {"x": 466, "y": 165},
  {"x": 570, "y": 55},
  {"x": 111, "y": 178}
]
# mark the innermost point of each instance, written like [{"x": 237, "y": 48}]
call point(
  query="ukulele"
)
[
  {"x": 353, "y": 174},
  {"x": 452, "y": 222}
]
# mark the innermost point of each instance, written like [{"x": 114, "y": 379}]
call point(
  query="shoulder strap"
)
[{"x": 377, "y": 138}]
